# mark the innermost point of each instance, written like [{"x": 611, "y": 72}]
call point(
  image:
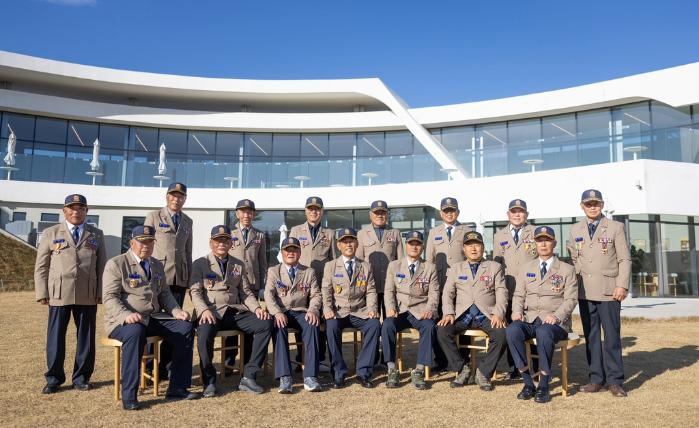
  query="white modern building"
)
[{"x": 351, "y": 142}]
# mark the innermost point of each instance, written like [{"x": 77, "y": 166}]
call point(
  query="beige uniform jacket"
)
[
  {"x": 217, "y": 291},
  {"x": 417, "y": 294},
  {"x": 445, "y": 253},
  {"x": 555, "y": 294},
  {"x": 303, "y": 295},
  {"x": 487, "y": 290},
  {"x": 315, "y": 254},
  {"x": 603, "y": 262},
  {"x": 172, "y": 249},
  {"x": 349, "y": 296},
  {"x": 69, "y": 274},
  {"x": 512, "y": 256},
  {"x": 379, "y": 253},
  {"x": 127, "y": 290},
  {"x": 253, "y": 254}
]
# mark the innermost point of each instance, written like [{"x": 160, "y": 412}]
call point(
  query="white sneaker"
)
[{"x": 311, "y": 384}]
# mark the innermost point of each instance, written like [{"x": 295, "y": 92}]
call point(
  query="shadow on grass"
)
[{"x": 642, "y": 366}]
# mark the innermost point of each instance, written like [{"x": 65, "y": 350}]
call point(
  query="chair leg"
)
[
  {"x": 222, "y": 355},
  {"x": 143, "y": 373},
  {"x": 564, "y": 369},
  {"x": 427, "y": 372},
  {"x": 117, "y": 373},
  {"x": 156, "y": 367},
  {"x": 399, "y": 353},
  {"x": 354, "y": 346}
]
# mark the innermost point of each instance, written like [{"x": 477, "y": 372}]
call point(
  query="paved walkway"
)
[{"x": 655, "y": 307}]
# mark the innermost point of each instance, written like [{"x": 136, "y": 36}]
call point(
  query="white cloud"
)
[{"x": 73, "y": 2}]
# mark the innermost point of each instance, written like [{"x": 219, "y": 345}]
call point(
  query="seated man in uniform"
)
[
  {"x": 137, "y": 304},
  {"x": 411, "y": 298},
  {"x": 478, "y": 287},
  {"x": 349, "y": 300},
  {"x": 293, "y": 298},
  {"x": 546, "y": 294},
  {"x": 224, "y": 300}
]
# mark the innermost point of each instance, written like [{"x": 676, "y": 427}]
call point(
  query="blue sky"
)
[{"x": 430, "y": 53}]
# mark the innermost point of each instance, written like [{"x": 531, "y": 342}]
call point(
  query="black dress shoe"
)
[
  {"x": 514, "y": 374},
  {"x": 339, "y": 382},
  {"x": 180, "y": 394},
  {"x": 50, "y": 389},
  {"x": 542, "y": 395},
  {"x": 131, "y": 406},
  {"x": 526, "y": 393},
  {"x": 82, "y": 386},
  {"x": 366, "y": 382}
]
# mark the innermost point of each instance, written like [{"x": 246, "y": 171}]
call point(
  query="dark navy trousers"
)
[
  {"x": 310, "y": 336},
  {"x": 84, "y": 318},
  {"x": 391, "y": 327},
  {"x": 603, "y": 359},
  {"x": 179, "y": 294},
  {"x": 371, "y": 330},
  {"x": 446, "y": 336},
  {"x": 259, "y": 330},
  {"x": 546, "y": 337},
  {"x": 180, "y": 335}
]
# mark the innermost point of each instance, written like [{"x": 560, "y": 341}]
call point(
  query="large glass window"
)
[
  {"x": 631, "y": 131},
  {"x": 175, "y": 140},
  {"x": 644, "y": 266},
  {"x": 314, "y": 146},
  {"x": 202, "y": 143},
  {"x": 82, "y": 134},
  {"x": 524, "y": 146},
  {"x": 679, "y": 263},
  {"x": 127, "y": 225},
  {"x": 559, "y": 147},
  {"x": 494, "y": 140},
  {"x": 594, "y": 132}
]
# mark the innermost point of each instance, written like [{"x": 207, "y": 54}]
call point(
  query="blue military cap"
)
[
  {"x": 379, "y": 206},
  {"x": 143, "y": 233},
  {"x": 290, "y": 242},
  {"x": 177, "y": 187},
  {"x": 345, "y": 232},
  {"x": 75, "y": 199},
  {"x": 449, "y": 203},
  {"x": 314, "y": 201},
  {"x": 517, "y": 203},
  {"x": 544, "y": 232},
  {"x": 591, "y": 195},
  {"x": 220, "y": 231},
  {"x": 415, "y": 236},
  {"x": 245, "y": 203},
  {"x": 473, "y": 236}
]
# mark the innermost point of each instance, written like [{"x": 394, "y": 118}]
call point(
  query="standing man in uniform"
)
[
  {"x": 317, "y": 248},
  {"x": 68, "y": 278},
  {"x": 379, "y": 245},
  {"x": 474, "y": 296},
  {"x": 173, "y": 248},
  {"x": 445, "y": 249},
  {"x": 293, "y": 298},
  {"x": 602, "y": 260},
  {"x": 513, "y": 247},
  {"x": 411, "y": 296},
  {"x": 349, "y": 300},
  {"x": 546, "y": 294},
  {"x": 249, "y": 245},
  {"x": 223, "y": 300},
  {"x": 137, "y": 304}
]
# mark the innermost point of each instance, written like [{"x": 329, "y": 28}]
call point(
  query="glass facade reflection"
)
[{"x": 57, "y": 150}]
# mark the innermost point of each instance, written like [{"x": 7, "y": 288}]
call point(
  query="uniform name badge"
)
[
  {"x": 303, "y": 240},
  {"x": 399, "y": 278},
  {"x": 605, "y": 244},
  {"x": 556, "y": 283},
  {"x": 210, "y": 280},
  {"x": 92, "y": 244},
  {"x": 236, "y": 241},
  {"x": 504, "y": 244},
  {"x": 164, "y": 226},
  {"x": 134, "y": 279}
]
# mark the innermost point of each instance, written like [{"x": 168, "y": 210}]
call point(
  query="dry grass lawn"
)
[{"x": 660, "y": 358}]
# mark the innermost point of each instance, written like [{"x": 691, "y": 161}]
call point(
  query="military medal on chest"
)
[
  {"x": 134, "y": 279},
  {"x": 556, "y": 283},
  {"x": 423, "y": 283},
  {"x": 282, "y": 289},
  {"x": 579, "y": 245},
  {"x": 604, "y": 241},
  {"x": 210, "y": 280},
  {"x": 361, "y": 281},
  {"x": 530, "y": 247},
  {"x": 486, "y": 280},
  {"x": 57, "y": 245},
  {"x": 399, "y": 278}
]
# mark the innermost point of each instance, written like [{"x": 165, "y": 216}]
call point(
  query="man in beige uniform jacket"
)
[
  {"x": 137, "y": 304},
  {"x": 224, "y": 300},
  {"x": 68, "y": 278},
  {"x": 602, "y": 259},
  {"x": 349, "y": 301},
  {"x": 546, "y": 294},
  {"x": 445, "y": 249},
  {"x": 474, "y": 297},
  {"x": 513, "y": 247}
]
